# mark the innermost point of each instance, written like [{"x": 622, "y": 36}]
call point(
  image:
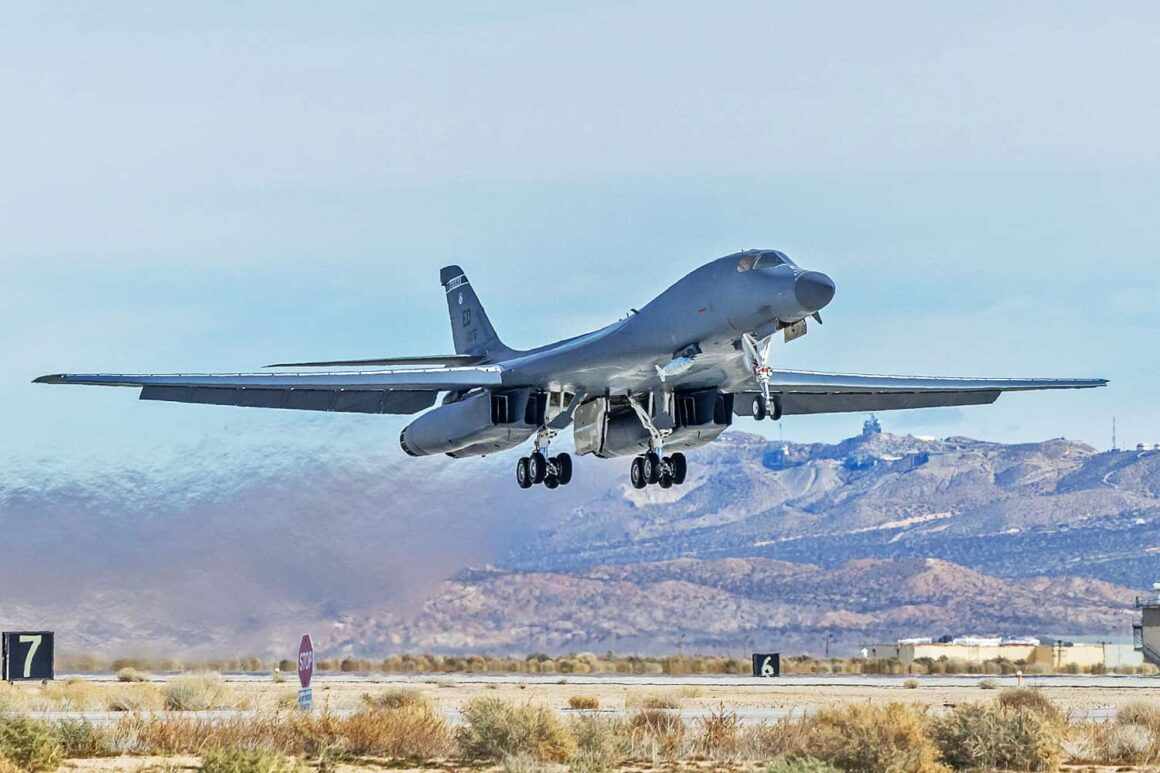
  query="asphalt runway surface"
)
[{"x": 1114, "y": 681}]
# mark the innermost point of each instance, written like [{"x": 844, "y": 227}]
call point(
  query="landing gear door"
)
[
  {"x": 795, "y": 330},
  {"x": 589, "y": 424}
]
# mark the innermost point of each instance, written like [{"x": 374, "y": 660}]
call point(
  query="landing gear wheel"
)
[
  {"x": 776, "y": 412},
  {"x": 523, "y": 473},
  {"x": 652, "y": 466},
  {"x": 551, "y": 481},
  {"x": 680, "y": 468},
  {"x": 666, "y": 480},
  {"x": 538, "y": 466},
  {"x": 759, "y": 410},
  {"x": 637, "y": 473},
  {"x": 564, "y": 469}
]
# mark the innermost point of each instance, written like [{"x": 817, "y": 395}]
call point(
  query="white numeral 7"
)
[{"x": 35, "y": 642}]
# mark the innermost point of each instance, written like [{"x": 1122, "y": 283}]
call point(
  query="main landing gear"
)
[
  {"x": 666, "y": 471},
  {"x": 654, "y": 468},
  {"x": 552, "y": 471}
]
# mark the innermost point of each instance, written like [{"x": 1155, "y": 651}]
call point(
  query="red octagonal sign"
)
[{"x": 305, "y": 661}]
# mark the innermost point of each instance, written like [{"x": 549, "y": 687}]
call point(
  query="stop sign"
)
[{"x": 305, "y": 661}]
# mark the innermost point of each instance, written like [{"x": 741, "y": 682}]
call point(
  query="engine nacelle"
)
[
  {"x": 477, "y": 424},
  {"x": 609, "y": 427}
]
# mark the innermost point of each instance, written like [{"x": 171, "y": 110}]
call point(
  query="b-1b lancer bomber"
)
[{"x": 662, "y": 380}]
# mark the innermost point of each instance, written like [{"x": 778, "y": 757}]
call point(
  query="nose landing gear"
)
[{"x": 757, "y": 358}]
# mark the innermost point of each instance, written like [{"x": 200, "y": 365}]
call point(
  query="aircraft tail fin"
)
[{"x": 471, "y": 330}]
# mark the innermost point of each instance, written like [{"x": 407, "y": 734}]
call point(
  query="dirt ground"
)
[{"x": 752, "y": 701}]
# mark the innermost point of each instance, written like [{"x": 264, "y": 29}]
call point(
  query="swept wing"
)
[
  {"x": 397, "y": 391},
  {"x": 804, "y": 392}
]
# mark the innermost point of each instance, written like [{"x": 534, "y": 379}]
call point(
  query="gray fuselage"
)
[{"x": 709, "y": 308}]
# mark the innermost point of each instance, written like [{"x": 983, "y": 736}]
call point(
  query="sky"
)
[{"x": 217, "y": 186}]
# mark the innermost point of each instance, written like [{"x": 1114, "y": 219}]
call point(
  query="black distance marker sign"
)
[
  {"x": 767, "y": 665},
  {"x": 27, "y": 655}
]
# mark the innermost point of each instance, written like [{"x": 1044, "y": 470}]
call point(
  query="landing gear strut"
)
[
  {"x": 653, "y": 468},
  {"x": 552, "y": 471},
  {"x": 757, "y": 354}
]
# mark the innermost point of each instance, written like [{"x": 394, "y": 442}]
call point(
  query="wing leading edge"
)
[
  {"x": 806, "y": 392},
  {"x": 377, "y": 391}
]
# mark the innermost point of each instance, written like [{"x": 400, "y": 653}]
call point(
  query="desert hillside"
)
[{"x": 878, "y": 536}]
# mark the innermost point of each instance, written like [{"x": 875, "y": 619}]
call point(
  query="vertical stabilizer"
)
[{"x": 471, "y": 330}]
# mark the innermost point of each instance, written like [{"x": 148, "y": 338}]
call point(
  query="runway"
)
[{"x": 1108, "y": 681}]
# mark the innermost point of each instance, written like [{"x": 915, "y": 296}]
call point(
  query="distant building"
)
[
  {"x": 871, "y": 426},
  {"x": 980, "y": 649},
  {"x": 1147, "y": 632}
]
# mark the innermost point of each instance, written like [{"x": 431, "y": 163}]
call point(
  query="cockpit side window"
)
[{"x": 748, "y": 262}]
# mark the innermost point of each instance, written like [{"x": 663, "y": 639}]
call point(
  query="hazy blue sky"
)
[{"x": 215, "y": 186}]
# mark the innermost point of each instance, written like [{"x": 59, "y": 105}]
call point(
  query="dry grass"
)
[
  {"x": 656, "y": 733},
  {"x": 651, "y": 701},
  {"x": 719, "y": 734},
  {"x": 1140, "y": 713},
  {"x": 413, "y": 731},
  {"x": 146, "y": 697},
  {"x": 80, "y": 739},
  {"x": 584, "y": 702},
  {"x": 800, "y": 765},
  {"x": 1033, "y": 700},
  {"x": 871, "y": 738},
  {"x": 1000, "y": 736},
  {"x": 130, "y": 674},
  {"x": 197, "y": 692},
  {"x": 29, "y": 744},
  {"x": 247, "y": 761},
  {"x": 602, "y": 744},
  {"x": 1112, "y": 743},
  {"x": 910, "y": 684},
  {"x": 1133, "y": 739},
  {"x": 395, "y": 698},
  {"x": 494, "y": 729}
]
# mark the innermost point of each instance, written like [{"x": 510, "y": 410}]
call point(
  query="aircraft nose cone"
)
[{"x": 813, "y": 290}]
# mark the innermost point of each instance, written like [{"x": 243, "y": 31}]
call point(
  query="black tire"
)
[
  {"x": 666, "y": 480},
  {"x": 652, "y": 466},
  {"x": 776, "y": 415},
  {"x": 564, "y": 469},
  {"x": 759, "y": 408},
  {"x": 551, "y": 482},
  {"x": 637, "y": 473},
  {"x": 680, "y": 468},
  {"x": 538, "y": 464},
  {"x": 523, "y": 474}
]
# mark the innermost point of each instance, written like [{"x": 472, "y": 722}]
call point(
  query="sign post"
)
[{"x": 305, "y": 672}]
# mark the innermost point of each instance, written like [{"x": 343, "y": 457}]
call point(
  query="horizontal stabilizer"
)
[{"x": 447, "y": 360}]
